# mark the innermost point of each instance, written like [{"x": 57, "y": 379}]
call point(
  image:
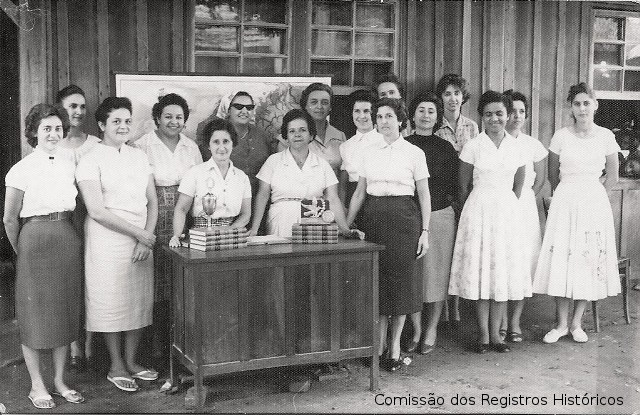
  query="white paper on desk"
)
[{"x": 267, "y": 240}]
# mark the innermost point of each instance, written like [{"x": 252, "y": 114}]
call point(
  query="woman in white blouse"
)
[
  {"x": 391, "y": 172},
  {"x": 294, "y": 174},
  {"x": 39, "y": 201},
  {"x": 218, "y": 176},
  {"x": 117, "y": 186}
]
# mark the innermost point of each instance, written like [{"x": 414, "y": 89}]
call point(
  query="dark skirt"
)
[
  {"x": 394, "y": 221},
  {"x": 48, "y": 284},
  {"x": 167, "y": 198}
]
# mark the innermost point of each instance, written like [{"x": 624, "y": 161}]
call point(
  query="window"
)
[
  {"x": 242, "y": 36},
  {"x": 355, "y": 41},
  {"x": 616, "y": 54}
]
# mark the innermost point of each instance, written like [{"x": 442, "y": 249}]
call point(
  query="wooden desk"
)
[{"x": 274, "y": 305}]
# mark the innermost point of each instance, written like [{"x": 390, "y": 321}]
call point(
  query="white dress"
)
[
  {"x": 533, "y": 151},
  {"x": 488, "y": 260},
  {"x": 578, "y": 258},
  {"x": 290, "y": 184}
]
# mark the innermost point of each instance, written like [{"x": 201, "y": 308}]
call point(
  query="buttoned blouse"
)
[
  {"x": 288, "y": 181},
  {"x": 330, "y": 149},
  {"x": 230, "y": 191},
  {"x": 123, "y": 175},
  {"x": 251, "y": 152},
  {"x": 47, "y": 181},
  {"x": 393, "y": 169},
  {"x": 466, "y": 129},
  {"x": 493, "y": 166},
  {"x": 351, "y": 151},
  {"x": 533, "y": 152},
  {"x": 168, "y": 167}
]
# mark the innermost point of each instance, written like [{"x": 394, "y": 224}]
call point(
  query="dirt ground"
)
[{"x": 600, "y": 376}]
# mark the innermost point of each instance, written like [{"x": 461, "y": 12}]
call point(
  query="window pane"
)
[
  {"x": 272, "y": 11},
  {"x": 265, "y": 65},
  {"x": 216, "y": 38},
  {"x": 374, "y": 44},
  {"x": 632, "y": 81},
  {"x": 331, "y": 43},
  {"x": 259, "y": 40},
  {"x": 218, "y": 10},
  {"x": 608, "y": 28},
  {"x": 336, "y": 13},
  {"x": 606, "y": 80},
  {"x": 632, "y": 55},
  {"x": 339, "y": 70},
  {"x": 632, "y": 31},
  {"x": 216, "y": 64},
  {"x": 375, "y": 15},
  {"x": 607, "y": 54},
  {"x": 365, "y": 73}
]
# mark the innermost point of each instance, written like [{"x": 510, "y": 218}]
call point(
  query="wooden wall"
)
[{"x": 539, "y": 48}]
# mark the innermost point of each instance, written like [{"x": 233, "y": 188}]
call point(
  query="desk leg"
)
[
  {"x": 625, "y": 293},
  {"x": 199, "y": 390}
]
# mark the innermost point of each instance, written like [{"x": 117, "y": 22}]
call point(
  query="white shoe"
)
[
  {"x": 554, "y": 335},
  {"x": 579, "y": 335}
]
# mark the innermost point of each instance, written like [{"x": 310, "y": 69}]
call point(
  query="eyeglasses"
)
[{"x": 240, "y": 107}]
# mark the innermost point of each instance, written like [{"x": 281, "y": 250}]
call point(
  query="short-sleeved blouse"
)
[
  {"x": 230, "y": 191},
  {"x": 393, "y": 169},
  {"x": 330, "y": 149},
  {"x": 47, "y": 181},
  {"x": 123, "y": 175},
  {"x": 583, "y": 157},
  {"x": 466, "y": 129},
  {"x": 351, "y": 152},
  {"x": 288, "y": 181},
  {"x": 533, "y": 151},
  {"x": 86, "y": 147},
  {"x": 493, "y": 166},
  {"x": 169, "y": 166}
]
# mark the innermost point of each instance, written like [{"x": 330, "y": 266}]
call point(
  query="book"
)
[
  {"x": 267, "y": 240},
  {"x": 218, "y": 247},
  {"x": 216, "y": 230},
  {"x": 219, "y": 239}
]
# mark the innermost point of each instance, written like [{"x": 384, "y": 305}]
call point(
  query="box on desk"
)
[
  {"x": 311, "y": 233},
  {"x": 217, "y": 238}
]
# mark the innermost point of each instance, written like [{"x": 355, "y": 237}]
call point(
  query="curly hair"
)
[
  {"x": 580, "y": 88},
  {"x": 166, "y": 100},
  {"x": 68, "y": 90},
  {"x": 490, "y": 97},
  {"x": 517, "y": 96},
  {"x": 297, "y": 114},
  {"x": 38, "y": 113},
  {"x": 362, "y": 95},
  {"x": 455, "y": 80},
  {"x": 316, "y": 86},
  {"x": 398, "y": 107},
  {"x": 215, "y": 124},
  {"x": 109, "y": 104},
  {"x": 427, "y": 97}
]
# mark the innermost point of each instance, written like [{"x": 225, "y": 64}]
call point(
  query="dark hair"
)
[
  {"x": 389, "y": 77},
  {"x": 38, "y": 113},
  {"x": 242, "y": 94},
  {"x": 166, "y": 100},
  {"x": 362, "y": 95},
  {"x": 427, "y": 97},
  {"x": 398, "y": 107},
  {"x": 316, "y": 86},
  {"x": 297, "y": 114},
  {"x": 455, "y": 80},
  {"x": 490, "y": 97},
  {"x": 517, "y": 96},
  {"x": 109, "y": 104},
  {"x": 216, "y": 124},
  {"x": 580, "y": 88},
  {"x": 69, "y": 90}
]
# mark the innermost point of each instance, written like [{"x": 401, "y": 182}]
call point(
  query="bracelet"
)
[{"x": 425, "y": 230}]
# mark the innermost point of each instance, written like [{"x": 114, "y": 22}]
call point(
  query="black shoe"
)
[
  {"x": 392, "y": 365},
  {"x": 411, "y": 347},
  {"x": 77, "y": 364},
  {"x": 500, "y": 347},
  {"x": 481, "y": 348}
]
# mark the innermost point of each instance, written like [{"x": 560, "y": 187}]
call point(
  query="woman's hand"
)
[
  {"x": 423, "y": 244},
  {"x": 174, "y": 242},
  {"x": 352, "y": 234},
  {"x": 140, "y": 252},
  {"x": 146, "y": 238}
]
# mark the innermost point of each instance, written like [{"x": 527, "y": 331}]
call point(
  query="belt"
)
[
  {"x": 55, "y": 216},
  {"x": 288, "y": 199}
]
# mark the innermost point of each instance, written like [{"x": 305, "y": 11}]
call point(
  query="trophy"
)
[{"x": 209, "y": 201}]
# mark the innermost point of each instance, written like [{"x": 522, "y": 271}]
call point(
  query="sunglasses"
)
[{"x": 240, "y": 107}]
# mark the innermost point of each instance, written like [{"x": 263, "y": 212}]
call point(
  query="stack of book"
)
[
  {"x": 217, "y": 238},
  {"x": 314, "y": 233}
]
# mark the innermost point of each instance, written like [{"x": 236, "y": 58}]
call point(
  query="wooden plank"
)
[
  {"x": 486, "y": 12},
  {"x": 48, "y": 39},
  {"x": 62, "y": 33},
  {"x": 494, "y": 18},
  {"x": 190, "y": 35},
  {"x": 585, "y": 42},
  {"x": 142, "y": 35},
  {"x": 439, "y": 40},
  {"x": 102, "y": 19},
  {"x": 290, "y": 311},
  {"x": 560, "y": 57},
  {"x": 535, "y": 75},
  {"x": 244, "y": 321},
  {"x": 336, "y": 305},
  {"x": 177, "y": 37},
  {"x": 466, "y": 39},
  {"x": 218, "y": 310},
  {"x": 411, "y": 86},
  {"x": 266, "y": 313},
  {"x": 509, "y": 66}
]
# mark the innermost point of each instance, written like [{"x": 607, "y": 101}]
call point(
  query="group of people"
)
[{"x": 454, "y": 207}]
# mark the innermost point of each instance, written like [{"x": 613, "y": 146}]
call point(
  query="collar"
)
[
  {"x": 399, "y": 142},
  {"x": 155, "y": 140},
  {"x": 331, "y": 133},
  {"x": 485, "y": 137},
  {"x": 288, "y": 160},
  {"x": 211, "y": 165}
]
